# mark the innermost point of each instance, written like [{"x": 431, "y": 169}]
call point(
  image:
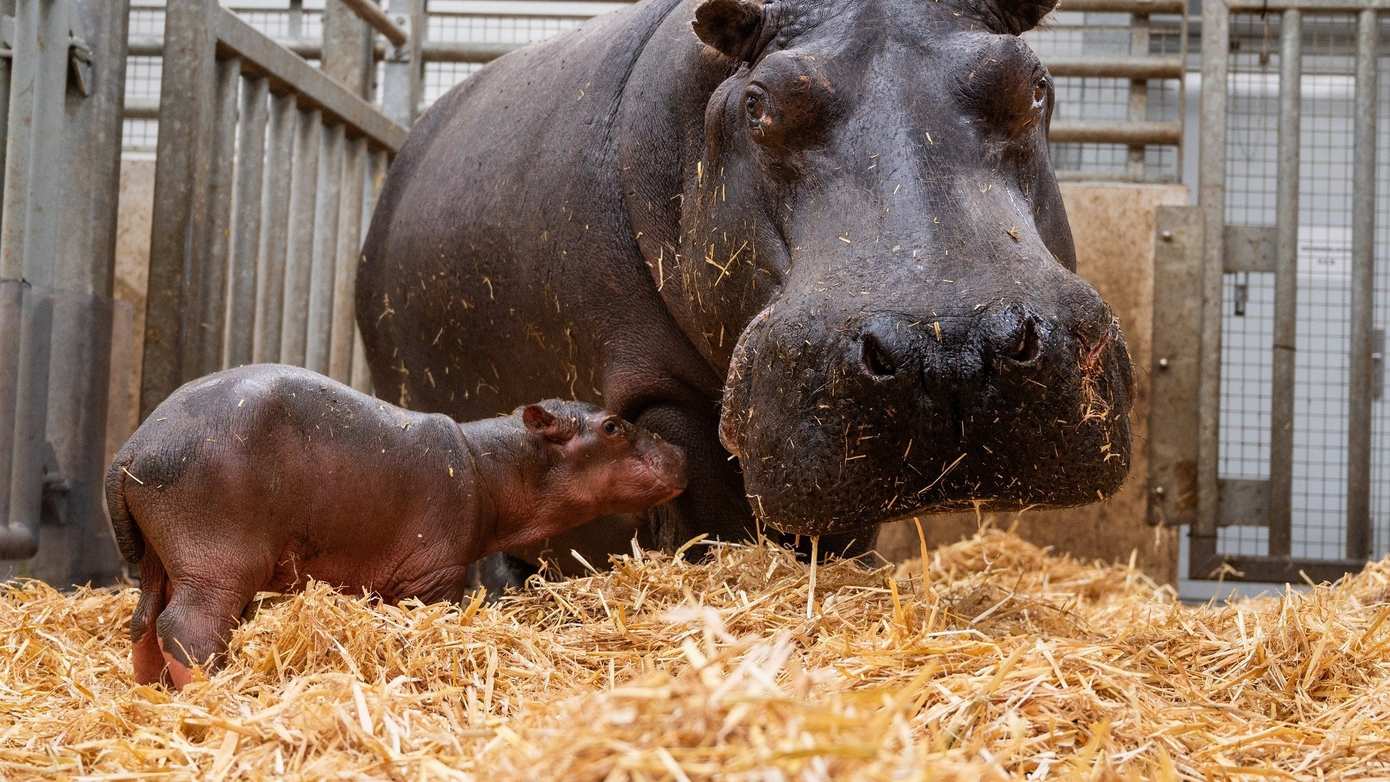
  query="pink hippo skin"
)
[{"x": 258, "y": 478}]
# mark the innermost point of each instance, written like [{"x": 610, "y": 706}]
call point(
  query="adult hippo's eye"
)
[
  {"x": 611, "y": 427},
  {"x": 755, "y": 105},
  {"x": 1040, "y": 93}
]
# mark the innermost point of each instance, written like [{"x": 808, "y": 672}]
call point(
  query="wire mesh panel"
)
[{"x": 1322, "y": 389}]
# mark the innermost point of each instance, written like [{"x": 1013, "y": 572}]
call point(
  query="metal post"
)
[
  {"x": 181, "y": 190},
  {"x": 275, "y": 229},
  {"x": 347, "y": 48},
  {"x": 345, "y": 270},
  {"x": 28, "y": 248},
  {"x": 376, "y": 176},
  {"x": 1285, "y": 288},
  {"x": 250, "y": 177},
  {"x": 1363, "y": 229},
  {"x": 1138, "y": 89},
  {"x": 1212, "y": 195},
  {"x": 325, "y": 250},
  {"x": 214, "y": 255},
  {"x": 299, "y": 260},
  {"x": 81, "y": 549},
  {"x": 402, "y": 92}
]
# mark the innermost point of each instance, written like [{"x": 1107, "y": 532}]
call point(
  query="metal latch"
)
[{"x": 1378, "y": 364}]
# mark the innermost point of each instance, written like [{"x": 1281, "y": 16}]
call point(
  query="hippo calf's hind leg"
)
[{"x": 196, "y": 625}]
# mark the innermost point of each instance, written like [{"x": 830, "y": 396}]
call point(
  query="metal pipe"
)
[
  {"x": 319, "y": 327},
  {"x": 1308, "y": 6},
  {"x": 28, "y": 249},
  {"x": 246, "y": 236},
  {"x": 1285, "y": 288},
  {"x": 300, "y": 254},
  {"x": 404, "y": 77},
  {"x": 372, "y": 14},
  {"x": 1212, "y": 197},
  {"x": 215, "y": 255},
  {"x": 1127, "y": 6},
  {"x": 1363, "y": 230},
  {"x": 308, "y": 48},
  {"x": 275, "y": 229},
  {"x": 1127, "y": 133}
]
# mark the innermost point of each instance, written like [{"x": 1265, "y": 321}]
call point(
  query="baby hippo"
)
[{"x": 258, "y": 478}]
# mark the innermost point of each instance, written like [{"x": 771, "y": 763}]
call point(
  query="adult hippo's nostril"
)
[
  {"x": 875, "y": 357},
  {"x": 1015, "y": 337}
]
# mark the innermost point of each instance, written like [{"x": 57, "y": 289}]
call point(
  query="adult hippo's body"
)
[{"x": 824, "y": 233}]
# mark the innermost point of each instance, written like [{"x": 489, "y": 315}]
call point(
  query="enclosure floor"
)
[{"x": 1006, "y": 662}]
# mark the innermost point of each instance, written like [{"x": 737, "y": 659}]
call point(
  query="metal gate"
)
[
  {"x": 62, "y": 74},
  {"x": 266, "y": 172},
  {"x": 1275, "y": 392}
]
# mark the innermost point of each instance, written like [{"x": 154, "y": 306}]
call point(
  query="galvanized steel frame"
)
[{"x": 1232, "y": 248}]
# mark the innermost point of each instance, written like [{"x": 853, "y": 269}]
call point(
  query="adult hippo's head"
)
[{"x": 874, "y": 244}]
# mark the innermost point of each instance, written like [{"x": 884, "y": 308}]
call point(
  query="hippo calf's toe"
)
[{"x": 258, "y": 478}]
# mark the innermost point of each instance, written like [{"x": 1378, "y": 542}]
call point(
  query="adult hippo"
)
[{"x": 836, "y": 216}]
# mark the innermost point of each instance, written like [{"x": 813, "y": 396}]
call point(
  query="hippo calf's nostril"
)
[
  {"x": 1026, "y": 346},
  {"x": 875, "y": 357}
]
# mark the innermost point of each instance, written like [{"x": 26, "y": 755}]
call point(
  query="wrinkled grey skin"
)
[{"x": 837, "y": 217}]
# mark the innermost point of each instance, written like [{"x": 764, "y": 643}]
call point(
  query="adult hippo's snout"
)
[{"x": 844, "y": 420}]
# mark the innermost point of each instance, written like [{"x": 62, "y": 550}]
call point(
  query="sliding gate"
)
[{"x": 1269, "y": 425}]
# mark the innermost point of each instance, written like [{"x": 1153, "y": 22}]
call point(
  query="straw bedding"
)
[{"x": 1004, "y": 662}]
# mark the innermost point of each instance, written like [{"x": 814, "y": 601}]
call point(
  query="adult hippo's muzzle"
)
[{"x": 862, "y": 413}]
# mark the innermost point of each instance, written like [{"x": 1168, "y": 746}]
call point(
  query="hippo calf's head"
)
[
  {"x": 601, "y": 463},
  {"x": 875, "y": 200}
]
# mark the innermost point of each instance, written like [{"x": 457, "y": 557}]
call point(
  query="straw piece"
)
[{"x": 999, "y": 661}]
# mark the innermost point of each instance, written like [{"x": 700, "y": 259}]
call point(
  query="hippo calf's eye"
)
[
  {"x": 1039, "y": 93},
  {"x": 611, "y": 427},
  {"x": 755, "y": 105}
]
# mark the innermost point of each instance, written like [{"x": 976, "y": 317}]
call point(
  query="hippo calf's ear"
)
[
  {"x": 542, "y": 422},
  {"x": 1011, "y": 17},
  {"x": 728, "y": 25}
]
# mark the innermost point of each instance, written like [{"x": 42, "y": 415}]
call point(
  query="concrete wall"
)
[{"x": 1114, "y": 229}]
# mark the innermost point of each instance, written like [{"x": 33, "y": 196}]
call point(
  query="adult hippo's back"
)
[{"x": 838, "y": 217}]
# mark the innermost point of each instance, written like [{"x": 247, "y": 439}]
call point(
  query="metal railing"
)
[
  {"x": 61, "y": 89},
  {"x": 266, "y": 173},
  {"x": 1275, "y": 250}
]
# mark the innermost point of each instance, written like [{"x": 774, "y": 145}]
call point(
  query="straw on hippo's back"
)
[{"x": 258, "y": 478}]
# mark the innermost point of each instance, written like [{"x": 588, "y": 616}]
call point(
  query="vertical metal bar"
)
[
  {"x": 80, "y": 550},
  {"x": 215, "y": 254},
  {"x": 347, "y": 48},
  {"x": 377, "y": 166},
  {"x": 404, "y": 75},
  {"x": 345, "y": 270},
  {"x": 1285, "y": 287},
  {"x": 275, "y": 229},
  {"x": 1212, "y": 199},
  {"x": 300, "y": 257},
  {"x": 246, "y": 230},
  {"x": 29, "y": 239},
  {"x": 1138, "y": 90},
  {"x": 6, "y": 72},
  {"x": 1363, "y": 229},
  {"x": 180, "y": 202},
  {"x": 325, "y": 252}
]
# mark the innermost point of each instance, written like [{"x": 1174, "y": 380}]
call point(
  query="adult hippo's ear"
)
[
  {"x": 540, "y": 421},
  {"x": 1009, "y": 17},
  {"x": 729, "y": 26}
]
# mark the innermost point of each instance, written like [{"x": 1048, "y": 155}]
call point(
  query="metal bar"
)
[
  {"x": 1140, "y": 66},
  {"x": 1363, "y": 230},
  {"x": 1276, "y": 569},
  {"x": 325, "y": 249},
  {"x": 308, "y": 48},
  {"x": 300, "y": 254},
  {"x": 1139, "y": 88},
  {"x": 404, "y": 77},
  {"x": 214, "y": 255},
  {"x": 347, "y": 49},
  {"x": 275, "y": 229},
  {"x": 246, "y": 232},
  {"x": 313, "y": 90},
  {"x": 1309, "y": 6},
  {"x": 1128, "y": 6},
  {"x": 376, "y": 176},
  {"x": 79, "y": 549},
  {"x": 1285, "y": 288},
  {"x": 1126, "y": 133},
  {"x": 1212, "y": 197},
  {"x": 180, "y": 194},
  {"x": 372, "y": 14},
  {"x": 345, "y": 269}
]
